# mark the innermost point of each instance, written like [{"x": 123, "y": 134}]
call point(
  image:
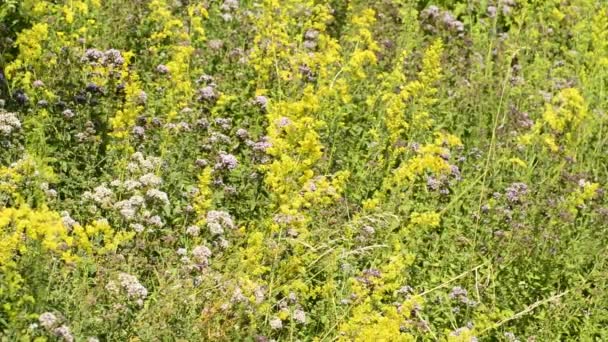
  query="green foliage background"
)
[{"x": 391, "y": 170}]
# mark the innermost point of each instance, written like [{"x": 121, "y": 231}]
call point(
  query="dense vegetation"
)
[{"x": 282, "y": 170}]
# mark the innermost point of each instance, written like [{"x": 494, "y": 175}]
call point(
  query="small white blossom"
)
[
  {"x": 137, "y": 227},
  {"x": 299, "y": 316},
  {"x": 48, "y": 320},
  {"x": 276, "y": 323},
  {"x": 64, "y": 333},
  {"x": 201, "y": 254},
  {"x": 132, "y": 286},
  {"x": 193, "y": 230},
  {"x": 156, "y": 221},
  {"x": 150, "y": 179},
  {"x": 157, "y": 195}
]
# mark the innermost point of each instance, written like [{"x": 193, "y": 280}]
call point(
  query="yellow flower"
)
[{"x": 425, "y": 220}]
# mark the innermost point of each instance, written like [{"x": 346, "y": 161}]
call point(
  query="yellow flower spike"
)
[
  {"x": 425, "y": 220},
  {"x": 518, "y": 162},
  {"x": 202, "y": 200}
]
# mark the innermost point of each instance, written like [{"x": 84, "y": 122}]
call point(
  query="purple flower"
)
[
  {"x": 276, "y": 323},
  {"x": 455, "y": 172},
  {"x": 223, "y": 123},
  {"x": 299, "y": 316},
  {"x": 433, "y": 183},
  {"x": 368, "y": 230},
  {"x": 206, "y": 94},
  {"x": 9, "y": 123},
  {"x": 64, "y": 333},
  {"x": 309, "y": 44},
  {"x": 113, "y": 57},
  {"x": 92, "y": 56},
  {"x": 262, "y": 145},
  {"x": 226, "y": 161},
  {"x": 516, "y": 191},
  {"x": 261, "y": 101},
  {"x": 201, "y": 163},
  {"x": 142, "y": 98},
  {"x": 202, "y": 123},
  {"x": 458, "y": 292},
  {"x": 430, "y": 12},
  {"x": 162, "y": 69},
  {"x": 491, "y": 10},
  {"x": 206, "y": 79},
  {"x": 48, "y": 320},
  {"x": 229, "y": 5},
  {"x": 139, "y": 131},
  {"x": 283, "y": 122},
  {"x": 242, "y": 133},
  {"x": 201, "y": 254}
]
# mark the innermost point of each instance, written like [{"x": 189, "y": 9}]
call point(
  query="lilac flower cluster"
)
[
  {"x": 130, "y": 286},
  {"x": 368, "y": 276},
  {"x": 442, "y": 183},
  {"x": 506, "y": 8},
  {"x": 201, "y": 255},
  {"x": 515, "y": 192},
  {"x": 217, "y": 221},
  {"x": 141, "y": 202},
  {"x": 310, "y": 39},
  {"x": 88, "y": 134},
  {"x": 461, "y": 295},
  {"x": 226, "y": 161},
  {"x": 162, "y": 69},
  {"x": 435, "y": 19},
  {"x": 51, "y": 323},
  {"x": 109, "y": 58},
  {"x": 227, "y": 8},
  {"x": 261, "y": 101},
  {"x": 208, "y": 92}
]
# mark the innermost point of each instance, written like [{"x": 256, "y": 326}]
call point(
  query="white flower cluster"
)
[
  {"x": 199, "y": 259},
  {"x": 218, "y": 220},
  {"x": 51, "y": 323},
  {"x": 9, "y": 123},
  {"x": 140, "y": 197},
  {"x": 131, "y": 286},
  {"x": 101, "y": 195}
]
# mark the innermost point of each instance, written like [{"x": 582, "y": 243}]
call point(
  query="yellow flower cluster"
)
[
  {"x": 374, "y": 317},
  {"x": 296, "y": 149},
  {"x": 365, "y": 46},
  {"x": 176, "y": 40},
  {"x": 167, "y": 26},
  {"x": 19, "y": 177},
  {"x": 22, "y": 226},
  {"x": 124, "y": 118},
  {"x": 278, "y": 50},
  {"x": 25, "y": 231},
  {"x": 202, "y": 200},
  {"x": 98, "y": 238},
  {"x": 560, "y": 121},
  {"x": 428, "y": 159},
  {"x": 581, "y": 196},
  {"x": 30, "y": 42},
  {"x": 425, "y": 220},
  {"x": 418, "y": 94}
]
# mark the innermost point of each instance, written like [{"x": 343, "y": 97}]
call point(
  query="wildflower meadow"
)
[{"x": 303, "y": 170}]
